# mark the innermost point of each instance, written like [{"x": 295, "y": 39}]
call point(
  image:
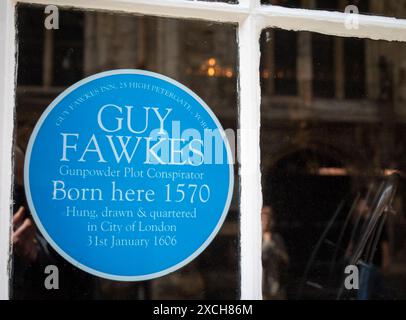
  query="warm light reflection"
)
[
  {"x": 212, "y": 68},
  {"x": 389, "y": 172},
  {"x": 332, "y": 172}
]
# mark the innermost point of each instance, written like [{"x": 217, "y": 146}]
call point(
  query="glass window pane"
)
[
  {"x": 227, "y": 1},
  {"x": 390, "y": 8},
  {"x": 201, "y": 55},
  {"x": 328, "y": 149}
]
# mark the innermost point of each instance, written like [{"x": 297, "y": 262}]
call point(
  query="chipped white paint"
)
[
  {"x": 251, "y": 18},
  {"x": 7, "y": 63},
  {"x": 213, "y": 11},
  {"x": 250, "y": 172},
  {"x": 332, "y": 23}
]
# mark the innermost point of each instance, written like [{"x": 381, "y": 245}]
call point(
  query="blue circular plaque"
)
[{"x": 128, "y": 175}]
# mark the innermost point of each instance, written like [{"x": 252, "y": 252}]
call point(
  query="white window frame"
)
[{"x": 251, "y": 18}]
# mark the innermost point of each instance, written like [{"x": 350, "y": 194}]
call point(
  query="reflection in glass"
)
[
  {"x": 203, "y": 58},
  {"x": 329, "y": 150}
]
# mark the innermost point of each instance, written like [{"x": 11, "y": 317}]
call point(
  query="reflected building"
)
[{"x": 333, "y": 121}]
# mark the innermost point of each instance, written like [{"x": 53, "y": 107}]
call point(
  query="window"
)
[
  {"x": 82, "y": 46},
  {"x": 322, "y": 83},
  {"x": 322, "y": 155}
]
